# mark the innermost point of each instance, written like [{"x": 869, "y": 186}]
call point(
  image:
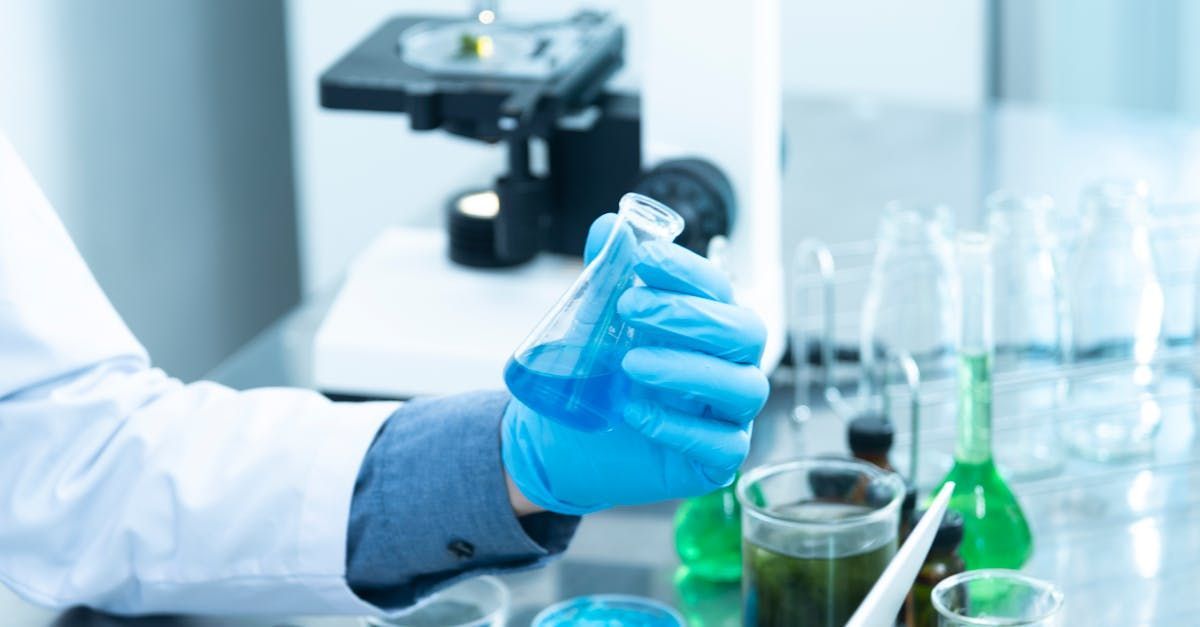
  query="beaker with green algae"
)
[
  {"x": 996, "y": 534},
  {"x": 569, "y": 368},
  {"x": 817, "y": 533}
]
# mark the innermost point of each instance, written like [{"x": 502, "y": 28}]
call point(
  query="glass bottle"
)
[
  {"x": 569, "y": 368},
  {"x": 1028, "y": 329},
  {"x": 911, "y": 302},
  {"x": 996, "y": 534},
  {"x": 1116, "y": 313},
  {"x": 942, "y": 562},
  {"x": 708, "y": 535},
  {"x": 870, "y": 436}
]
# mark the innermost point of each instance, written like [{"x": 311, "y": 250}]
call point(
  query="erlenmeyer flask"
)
[
  {"x": 1116, "y": 305},
  {"x": 569, "y": 368},
  {"x": 1028, "y": 323}
]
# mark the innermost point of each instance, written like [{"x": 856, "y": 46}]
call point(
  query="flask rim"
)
[{"x": 651, "y": 216}]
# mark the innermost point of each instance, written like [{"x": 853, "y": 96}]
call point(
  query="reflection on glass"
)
[
  {"x": 1146, "y": 544},
  {"x": 911, "y": 304},
  {"x": 1116, "y": 313},
  {"x": 1028, "y": 330}
]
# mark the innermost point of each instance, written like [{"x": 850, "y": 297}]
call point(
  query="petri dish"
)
[
  {"x": 478, "y": 602},
  {"x": 609, "y": 610}
]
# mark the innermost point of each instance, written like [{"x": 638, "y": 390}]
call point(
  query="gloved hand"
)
[{"x": 699, "y": 389}]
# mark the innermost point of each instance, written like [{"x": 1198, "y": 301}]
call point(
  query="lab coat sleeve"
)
[
  {"x": 123, "y": 489},
  {"x": 435, "y": 473}
]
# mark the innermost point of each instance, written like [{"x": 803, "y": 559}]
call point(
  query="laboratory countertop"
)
[{"x": 1122, "y": 541}]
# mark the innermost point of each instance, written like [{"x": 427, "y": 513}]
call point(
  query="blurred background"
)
[{"x": 184, "y": 148}]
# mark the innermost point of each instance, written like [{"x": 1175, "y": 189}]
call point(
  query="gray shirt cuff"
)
[{"x": 431, "y": 506}]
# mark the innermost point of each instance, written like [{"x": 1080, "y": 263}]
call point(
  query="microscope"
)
[{"x": 702, "y": 136}]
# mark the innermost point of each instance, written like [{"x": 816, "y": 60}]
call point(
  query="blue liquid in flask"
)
[
  {"x": 544, "y": 378},
  {"x": 569, "y": 369}
]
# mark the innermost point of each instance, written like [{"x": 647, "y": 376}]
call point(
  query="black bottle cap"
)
[
  {"x": 871, "y": 433},
  {"x": 949, "y": 534}
]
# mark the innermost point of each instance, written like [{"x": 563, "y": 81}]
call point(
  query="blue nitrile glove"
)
[{"x": 701, "y": 388}]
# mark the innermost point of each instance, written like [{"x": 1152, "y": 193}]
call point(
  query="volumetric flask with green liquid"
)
[
  {"x": 996, "y": 533},
  {"x": 569, "y": 368}
]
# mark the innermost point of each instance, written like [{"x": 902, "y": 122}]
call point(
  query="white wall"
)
[
  {"x": 927, "y": 52},
  {"x": 159, "y": 131},
  {"x": 1102, "y": 54},
  {"x": 359, "y": 172}
]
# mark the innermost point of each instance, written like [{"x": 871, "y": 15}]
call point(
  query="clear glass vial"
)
[
  {"x": 1029, "y": 328},
  {"x": 911, "y": 303},
  {"x": 1116, "y": 313}
]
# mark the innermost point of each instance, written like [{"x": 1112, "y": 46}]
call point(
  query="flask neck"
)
[{"x": 974, "y": 444}]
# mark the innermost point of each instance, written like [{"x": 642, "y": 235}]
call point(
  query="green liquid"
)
[
  {"x": 995, "y": 533},
  {"x": 781, "y": 590},
  {"x": 707, "y": 603},
  {"x": 708, "y": 535}
]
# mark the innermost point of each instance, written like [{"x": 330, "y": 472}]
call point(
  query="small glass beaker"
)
[
  {"x": 997, "y": 598},
  {"x": 817, "y": 533},
  {"x": 609, "y": 609}
]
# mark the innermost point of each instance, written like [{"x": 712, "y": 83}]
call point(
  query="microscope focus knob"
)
[{"x": 698, "y": 191}]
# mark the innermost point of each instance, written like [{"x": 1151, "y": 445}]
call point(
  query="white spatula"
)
[{"x": 883, "y": 602}]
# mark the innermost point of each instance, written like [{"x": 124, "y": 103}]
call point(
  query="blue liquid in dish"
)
[
  {"x": 570, "y": 385},
  {"x": 608, "y": 611}
]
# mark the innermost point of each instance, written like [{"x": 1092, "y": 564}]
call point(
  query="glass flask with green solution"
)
[
  {"x": 708, "y": 535},
  {"x": 996, "y": 534}
]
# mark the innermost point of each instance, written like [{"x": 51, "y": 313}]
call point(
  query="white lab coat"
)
[{"x": 126, "y": 490}]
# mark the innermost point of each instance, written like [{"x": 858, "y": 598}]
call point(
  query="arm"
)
[
  {"x": 435, "y": 473},
  {"x": 123, "y": 489}
]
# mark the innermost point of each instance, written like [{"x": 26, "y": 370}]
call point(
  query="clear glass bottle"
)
[
  {"x": 1029, "y": 333},
  {"x": 996, "y": 534},
  {"x": 569, "y": 368},
  {"x": 911, "y": 302},
  {"x": 1116, "y": 314}
]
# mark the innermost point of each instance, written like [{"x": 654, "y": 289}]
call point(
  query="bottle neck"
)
[{"x": 879, "y": 459}]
